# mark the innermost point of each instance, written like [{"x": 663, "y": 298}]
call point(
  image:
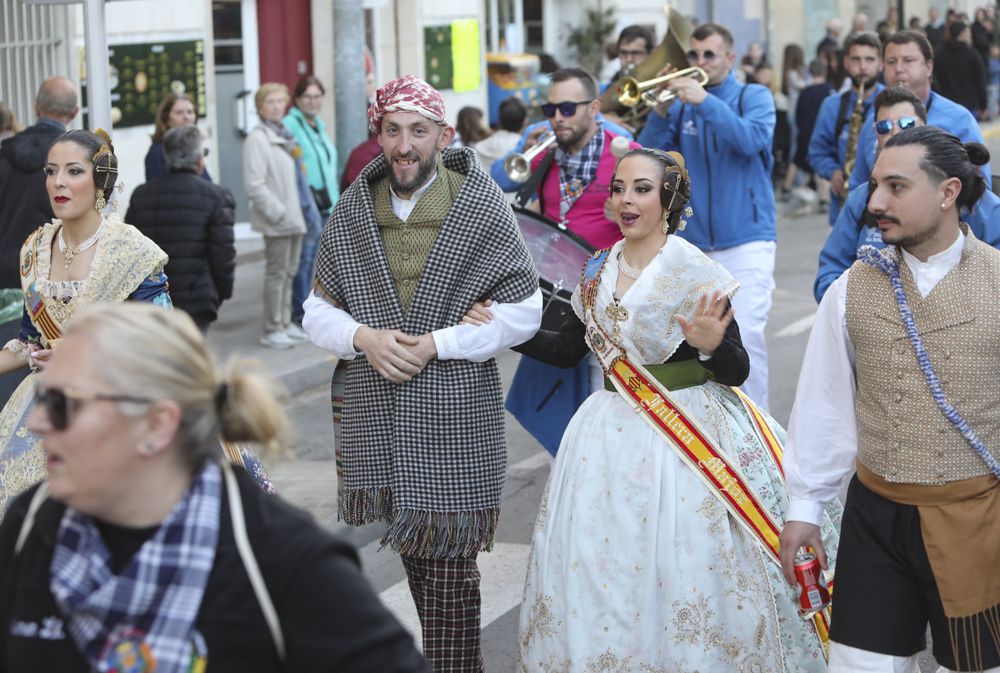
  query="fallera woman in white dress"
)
[{"x": 636, "y": 566}]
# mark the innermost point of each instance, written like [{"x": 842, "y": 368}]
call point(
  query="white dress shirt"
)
[
  {"x": 822, "y": 432},
  {"x": 333, "y": 329}
]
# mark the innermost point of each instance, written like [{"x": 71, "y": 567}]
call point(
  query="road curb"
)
[{"x": 308, "y": 377}]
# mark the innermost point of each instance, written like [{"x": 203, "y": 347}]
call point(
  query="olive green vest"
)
[
  {"x": 408, "y": 244},
  {"x": 902, "y": 435}
]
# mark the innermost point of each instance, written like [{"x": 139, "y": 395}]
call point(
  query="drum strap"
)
[{"x": 529, "y": 188}]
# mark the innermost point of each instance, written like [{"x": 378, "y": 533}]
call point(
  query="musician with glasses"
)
[
  {"x": 725, "y": 129},
  {"x": 569, "y": 184},
  {"x": 635, "y": 42},
  {"x": 896, "y": 109},
  {"x": 909, "y": 61},
  {"x": 832, "y": 139}
]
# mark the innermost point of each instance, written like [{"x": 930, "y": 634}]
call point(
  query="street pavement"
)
[{"x": 307, "y": 475}]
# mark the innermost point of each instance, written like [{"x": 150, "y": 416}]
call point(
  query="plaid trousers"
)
[{"x": 446, "y": 593}]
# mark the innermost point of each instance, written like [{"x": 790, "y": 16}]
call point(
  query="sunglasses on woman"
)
[
  {"x": 885, "y": 126},
  {"x": 58, "y": 402},
  {"x": 566, "y": 109}
]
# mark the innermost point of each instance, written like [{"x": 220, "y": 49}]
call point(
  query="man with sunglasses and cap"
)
[
  {"x": 896, "y": 109},
  {"x": 908, "y": 60},
  {"x": 725, "y": 130},
  {"x": 828, "y": 146}
]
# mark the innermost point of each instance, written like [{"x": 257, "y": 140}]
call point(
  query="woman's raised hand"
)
[
  {"x": 704, "y": 331},
  {"x": 479, "y": 313}
]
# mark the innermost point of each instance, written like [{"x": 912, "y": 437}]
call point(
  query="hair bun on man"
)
[{"x": 978, "y": 154}]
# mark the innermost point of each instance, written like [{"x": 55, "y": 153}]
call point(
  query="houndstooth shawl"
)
[{"x": 427, "y": 456}]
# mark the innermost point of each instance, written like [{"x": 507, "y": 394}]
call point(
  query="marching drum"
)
[{"x": 559, "y": 256}]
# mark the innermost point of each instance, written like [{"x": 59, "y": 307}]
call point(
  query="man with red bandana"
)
[{"x": 418, "y": 237}]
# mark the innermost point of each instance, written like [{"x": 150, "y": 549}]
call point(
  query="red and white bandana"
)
[{"x": 406, "y": 94}]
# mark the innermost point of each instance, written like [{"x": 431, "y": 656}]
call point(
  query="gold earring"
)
[
  {"x": 100, "y": 203},
  {"x": 666, "y": 223}
]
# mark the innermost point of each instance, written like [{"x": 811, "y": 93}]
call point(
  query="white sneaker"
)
[
  {"x": 296, "y": 333},
  {"x": 277, "y": 340}
]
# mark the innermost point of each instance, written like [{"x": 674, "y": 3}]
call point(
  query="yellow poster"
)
[{"x": 465, "y": 54}]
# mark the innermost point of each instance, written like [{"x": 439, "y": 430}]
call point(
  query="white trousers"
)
[
  {"x": 752, "y": 265},
  {"x": 847, "y": 659}
]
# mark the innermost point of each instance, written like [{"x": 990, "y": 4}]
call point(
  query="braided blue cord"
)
[{"x": 889, "y": 265}]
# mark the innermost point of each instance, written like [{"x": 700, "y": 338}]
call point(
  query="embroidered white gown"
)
[{"x": 635, "y": 566}]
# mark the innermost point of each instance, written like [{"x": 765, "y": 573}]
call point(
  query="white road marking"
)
[
  {"x": 798, "y": 327},
  {"x": 533, "y": 462},
  {"x": 503, "y": 571}
]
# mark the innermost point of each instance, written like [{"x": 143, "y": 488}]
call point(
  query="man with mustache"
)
[
  {"x": 899, "y": 381},
  {"x": 828, "y": 145},
  {"x": 909, "y": 61},
  {"x": 417, "y": 238}
]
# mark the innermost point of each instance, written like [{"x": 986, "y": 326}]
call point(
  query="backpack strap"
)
[
  {"x": 528, "y": 189},
  {"x": 29, "y": 518},
  {"x": 250, "y": 561},
  {"x": 842, "y": 113}
]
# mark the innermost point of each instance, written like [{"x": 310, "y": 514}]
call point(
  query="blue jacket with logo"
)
[
  {"x": 827, "y": 149},
  {"x": 941, "y": 112},
  {"x": 726, "y": 143},
  {"x": 848, "y": 234}
]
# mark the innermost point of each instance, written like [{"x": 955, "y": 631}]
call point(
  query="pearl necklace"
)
[
  {"x": 628, "y": 271},
  {"x": 70, "y": 253}
]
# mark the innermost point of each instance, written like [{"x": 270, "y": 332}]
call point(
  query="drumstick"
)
[{"x": 619, "y": 146}]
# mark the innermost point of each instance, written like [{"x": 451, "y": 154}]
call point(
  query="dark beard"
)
[
  {"x": 423, "y": 174},
  {"x": 572, "y": 141}
]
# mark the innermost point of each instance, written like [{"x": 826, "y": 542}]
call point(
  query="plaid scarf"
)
[
  {"x": 427, "y": 456},
  {"x": 147, "y": 612},
  {"x": 577, "y": 171}
]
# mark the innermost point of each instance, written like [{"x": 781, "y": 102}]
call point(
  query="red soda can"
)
[{"x": 815, "y": 594}]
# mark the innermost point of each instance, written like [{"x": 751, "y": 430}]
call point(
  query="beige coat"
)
[{"x": 270, "y": 182}]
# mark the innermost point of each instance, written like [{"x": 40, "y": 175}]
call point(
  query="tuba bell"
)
[
  {"x": 518, "y": 166},
  {"x": 671, "y": 50}
]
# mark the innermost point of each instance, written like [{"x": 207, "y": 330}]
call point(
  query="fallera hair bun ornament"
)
[
  {"x": 678, "y": 158},
  {"x": 677, "y": 184}
]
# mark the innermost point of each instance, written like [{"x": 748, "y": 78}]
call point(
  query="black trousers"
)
[{"x": 885, "y": 593}]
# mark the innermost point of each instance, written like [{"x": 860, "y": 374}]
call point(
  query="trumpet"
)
[
  {"x": 518, "y": 166},
  {"x": 632, "y": 91}
]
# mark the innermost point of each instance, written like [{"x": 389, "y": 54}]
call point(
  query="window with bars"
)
[{"x": 34, "y": 45}]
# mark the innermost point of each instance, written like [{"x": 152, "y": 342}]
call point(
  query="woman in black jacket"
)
[{"x": 142, "y": 551}]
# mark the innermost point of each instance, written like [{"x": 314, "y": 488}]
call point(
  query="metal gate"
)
[{"x": 34, "y": 45}]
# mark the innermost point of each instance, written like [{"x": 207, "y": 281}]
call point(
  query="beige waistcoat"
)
[{"x": 902, "y": 434}]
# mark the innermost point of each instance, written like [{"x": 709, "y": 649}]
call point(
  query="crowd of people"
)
[{"x": 679, "y": 516}]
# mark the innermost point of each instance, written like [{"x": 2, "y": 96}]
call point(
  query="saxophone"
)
[{"x": 854, "y": 130}]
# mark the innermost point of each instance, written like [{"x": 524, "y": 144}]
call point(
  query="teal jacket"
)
[{"x": 318, "y": 153}]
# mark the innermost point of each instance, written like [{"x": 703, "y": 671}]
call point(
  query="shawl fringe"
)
[
  {"x": 967, "y": 638},
  {"x": 420, "y": 533},
  {"x": 438, "y": 535}
]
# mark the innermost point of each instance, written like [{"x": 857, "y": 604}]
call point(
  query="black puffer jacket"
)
[
  {"x": 192, "y": 220},
  {"x": 24, "y": 203}
]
